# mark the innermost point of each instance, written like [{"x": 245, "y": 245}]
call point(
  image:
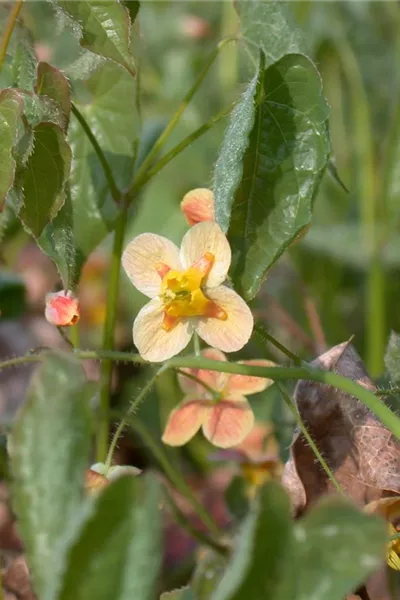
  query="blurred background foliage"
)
[{"x": 341, "y": 279}]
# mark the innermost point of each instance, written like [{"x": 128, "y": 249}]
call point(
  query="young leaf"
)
[
  {"x": 42, "y": 181},
  {"x": 89, "y": 213},
  {"x": 270, "y": 166},
  {"x": 269, "y": 26},
  {"x": 392, "y": 356},
  {"x": 336, "y": 548},
  {"x": 105, "y": 28},
  {"x": 49, "y": 453},
  {"x": 50, "y": 82},
  {"x": 11, "y": 106},
  {"x": 257, "y": 567},
  {"x": 117, "y": 554}
]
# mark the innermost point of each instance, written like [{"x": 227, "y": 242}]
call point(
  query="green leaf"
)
[
  {"x": 52, "y": 84},
  {"x": 271, "y": 162},
  {"x": 105, "y": 28},
  {"x": 11, "y": 106},
  {"x": 236, "y": 499},
  {"x": 49, "y": 453},
  {"x": 181, "y": 594},
  {"x": 108, "y": 105},
  {"x": 269, "y": 26},
  {"x": 41, "y": 182},
  {"x": 257, "y": 567},
  {"x": 24, "y": 63},
  {"x": 12, "y": 295},
  {"x": 337, "y": 547},
  {"x": 209, "y": 570},
  {"x": 117, "y": 554},
  {"x": 133, "y": 6},
  {"x": 392, "y": 356}
]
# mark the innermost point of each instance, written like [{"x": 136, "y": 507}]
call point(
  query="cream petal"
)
[
  {"x": 212, "y": 378},
  {"x": 202, "y": 238},
  {"x": 246, "y": 384},
  {"x": 152, "y": 341},
  {"x": 233, "y": 333},
  {"x": 185, "y": 421},
  {"x": 141, "y": 257},
  {"x": 229, "y": 422}
]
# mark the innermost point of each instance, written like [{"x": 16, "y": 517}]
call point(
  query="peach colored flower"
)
[
  {"x": 186, "y": 293},
  {"x": 198, "y": 205},
  {"x": 62, "y": 309},
  {"x": 98, "y": 477},
  {"x": 226, "y": 419},
  {"x": 389, "y": 509}
]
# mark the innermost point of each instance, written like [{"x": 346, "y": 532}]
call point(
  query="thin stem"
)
[
  {"x": 267, "y": 337},
  {"x": 175, "y": 476},
  {"x": 196, "y": 344},
  {"x": 115, "y": 193},
  {"x": 166, "y": 159},
  {"x": 74, "y": 336},
  {"x": 108, "y": 333},
  {"x": 207, "y": 387},
  {"x": 312, "y": 444},
  {"x": 5, "y": 40},
  {"x": 131, "y": 410},
  {"x": 159, "y": 144}
]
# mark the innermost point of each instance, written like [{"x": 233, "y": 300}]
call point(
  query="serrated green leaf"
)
[
  {"x": 336, "y": 548},
  {"x": 257, "y": 567},
  {"x": 41, "y": 183},
  {"x": 392, "y": 356},
  {"x": 105, "y": 28},
  {"x": 11, "y": 106},
  {"x": 118, "y": 554},
  {"x": 49, "y": 454},
  {"x": 89, "y": 214},
  {"x": 270, "y": 26},
  {"x": 24, "y": 63},
  {"x": 12, "y": 295},
  {"x": 50, "y": 82},
  {"x": 280, "y": 157},
  {"x": 181, "y": 594}
]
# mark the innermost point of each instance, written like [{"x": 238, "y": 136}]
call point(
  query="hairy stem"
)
[
  {"x": 6, "y": 37},
  {"x": 267, "y": 337}
]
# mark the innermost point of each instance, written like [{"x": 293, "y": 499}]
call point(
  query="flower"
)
[
  {"x": 198, "y": 205},
  {"x": 389, "y": 509},
  {"x": 186, "y": 295},
  {"x": 62, "y": 309},
  {"x": 98, "y": 476},
  {"x": 225, "y": 416}
]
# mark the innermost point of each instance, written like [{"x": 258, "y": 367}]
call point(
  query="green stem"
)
[
  {"x": 312, "y": 444},
  {"x": 207, "y": 387},
  {"x": 267, "y": 337},
  {"x": 159, "y": 144},
  {"x": 196, "y": 345},
  {"x": 115, "y": 193},
  {"x": 5, "y": 40},
  {"x": 131, "y": 410},
  {"x": 166, "y": 159},
  {"x": 108, "y": 334},
  {"x": 175, "y": 476}
]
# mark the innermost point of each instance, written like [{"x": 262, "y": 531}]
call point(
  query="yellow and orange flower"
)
[
  {"x": 389, "y": 509},
  {"x": 186, "y": 293},
  {"x": 62, "y": 309},
  {"x": 225, "y": 419}
]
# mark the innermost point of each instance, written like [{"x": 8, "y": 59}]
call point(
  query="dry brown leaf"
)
[{"x": 362, "y": 453}]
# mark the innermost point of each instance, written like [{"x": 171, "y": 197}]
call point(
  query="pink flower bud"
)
[
  {"x": 198, "y": 205},
  {"x": 62, "y": 309}
]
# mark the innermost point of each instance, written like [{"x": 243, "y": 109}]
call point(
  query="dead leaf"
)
[{"x": 362, "y": 453}]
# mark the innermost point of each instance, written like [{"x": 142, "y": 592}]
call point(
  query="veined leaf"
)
[
  {"x": 50, "y": 82},
  {"x": 268, "y": 172},
  {"x": 41, "y": 181},
  {"x": 11, "y": 106},
  {"x": 89, "y": 212},
  {"x": 105, "y": 28},
  {"x": 50, "y": 447},
  {"x": 392, "y": 356},
  {"x": 117, "y": 554},
  {"x": 269, "y": 25}
]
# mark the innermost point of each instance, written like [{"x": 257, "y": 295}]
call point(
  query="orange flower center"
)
[{"x": 182, "y": 295}]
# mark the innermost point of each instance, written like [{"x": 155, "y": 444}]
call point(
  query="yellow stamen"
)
[
  {"x": 182, "y": 294},
  {"x": 393, "y": 552}
]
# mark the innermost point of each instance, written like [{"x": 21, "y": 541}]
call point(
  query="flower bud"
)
[
  {"x": 95, "y": 481},
  {"x": 198, "y": 205},
  {"x": 62, "y": 309}
]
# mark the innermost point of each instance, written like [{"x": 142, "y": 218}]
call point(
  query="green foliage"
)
[
  {"x": 104, "y": 27},
  {"x": 52, "y": 83},
  {"x": 117, "y": 554},
  {"x": 10, "y": 113},
  {"x": 181, "y": 594},
  {"x": 236, "y": 499},
  {"x": 50, "y": 448},
  {"x": 281, "y": 167},
  {"x": 41, "y": 182},
  {"x": 392, "y": 356},
  {"x": 12, "y": 295}
]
